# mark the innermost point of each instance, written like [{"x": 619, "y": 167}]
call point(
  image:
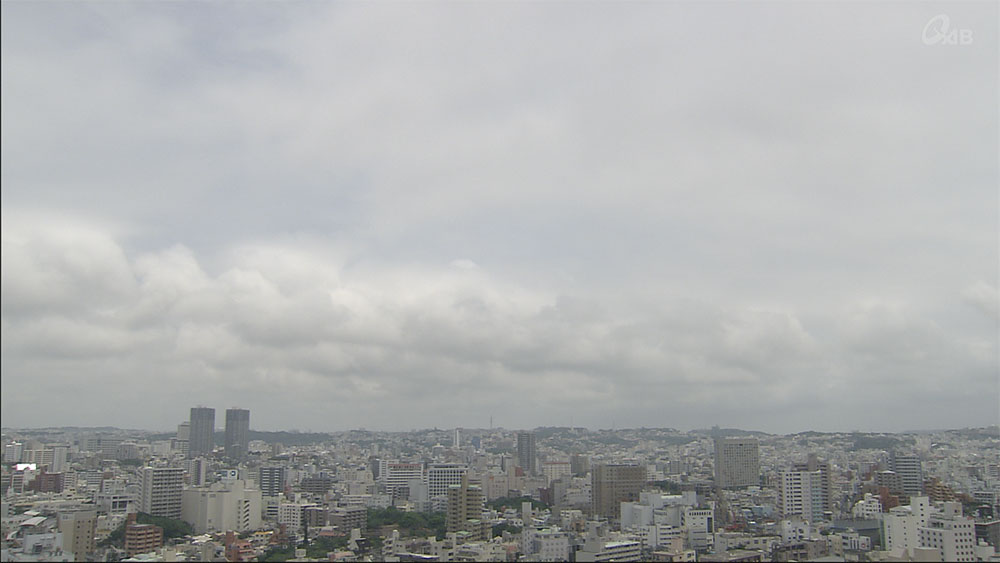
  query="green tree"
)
[
  {"x": 408, "y": 523},
  {"x": 280, "y": 553},
  {"x": 515, "y": 502},
  {"x": 320, "y": 546},
  {"x": 671, "y": 487},
  {"x": 499, "y": 529}
]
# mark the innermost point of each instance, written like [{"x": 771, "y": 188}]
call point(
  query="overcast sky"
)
[{"x": 770, "y": 216}]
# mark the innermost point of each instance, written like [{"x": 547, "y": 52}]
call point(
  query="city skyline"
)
[
  {"x": 219, "y": 432},
  {"x": 641, "y": 495},
  {"x": 781, "y": 217}
]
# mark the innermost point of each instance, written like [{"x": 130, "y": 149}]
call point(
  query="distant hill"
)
[{"x": 727, "y": 432}]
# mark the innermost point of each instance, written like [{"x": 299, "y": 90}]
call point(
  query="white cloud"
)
[
  {"x": 413, "y": 340},
  {"x": 984, "y": 297}
]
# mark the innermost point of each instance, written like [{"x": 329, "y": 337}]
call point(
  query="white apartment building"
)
[
  {"x": 440, "y": 476},
  {"x": 794, "y": 529},
  {"x": 12, "y": 452},
  {"x": 114, "y": 503},
  {"x": 272, "y": 480},
  {"x": 801, "y": 493},
  {"x": 59, "y": 452},
  {"x": 868, "y": 507},
  {"x": 397, "y": 475},
  {"x": 290, "y": 514},
  {"x": 222, "y": 506},
  {"x": 610, "y": 551},
  {"x": 657, "y": 508},
  {"x": 419, "y": 495},
  {"x": 544, "y": 544},
  {"x": 900, "y": 524},
  {"x": 658, "y": 535},
  {"x": 700, "y": 525},
  {"x": 161, "y": 491},
  {"x": 920, "y": 527},
  {"x": 953, "y": 535}
]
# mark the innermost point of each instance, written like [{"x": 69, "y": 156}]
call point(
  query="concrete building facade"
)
[
  {"x": 737, "y": 462},
  {"x": 222, "y": 506},
  {"x": 237, "y": 433},
  {"x": 202, "y": 432},
  {"x": 613, "y": 484},
  {"x": 161, "y": 490}
]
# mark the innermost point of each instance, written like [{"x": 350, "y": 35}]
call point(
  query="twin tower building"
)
[{"x": 201, "y": 432}]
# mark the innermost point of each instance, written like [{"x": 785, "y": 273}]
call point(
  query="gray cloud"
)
[
  {"x": 295, "y": 336},
  {"x": 761, "y": 215}
]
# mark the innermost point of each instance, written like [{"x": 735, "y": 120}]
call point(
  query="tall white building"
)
[
  {"x": 271, "y": 480},
  {"x": 161, "y": 491},
  {"x": 910, "y": 472},
  {"x": 398, "y": 475},
  {"x": 59, "y": 464},
  {"x": 440, "y": 476},
  {"x": 700, "y": 526},
  {"x": 290, "y": 514},
  {"x": 197, "y": 470},
  {"x": 12, "y": 452},
  {"x": 868, "y": 507},
  {"x": 222, "y": 506},
  {"x": 802, "y": 493},
  {"x": 181, "y": 442},
  {"x": 899, "y": 525},
  {"x": 953, "y": 535},
  {"x": 922, "y": 527}
]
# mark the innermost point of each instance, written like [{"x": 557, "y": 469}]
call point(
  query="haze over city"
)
[{"x": 769, "y": 216}]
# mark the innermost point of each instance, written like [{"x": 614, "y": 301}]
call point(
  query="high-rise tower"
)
[
  {"x": 237, "y": 433},
  {"x": 737, "y": 462},
  {"x": 202, "y": 432},
  {"x": 526, "y": 453},
  {"x": 910, "y": 472},
  {"x": 271, "y": 480}
]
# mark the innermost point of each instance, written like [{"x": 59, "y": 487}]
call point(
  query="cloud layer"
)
[
  {"x": 760, "y": 215},
  {"x": 295, "y": 333}
]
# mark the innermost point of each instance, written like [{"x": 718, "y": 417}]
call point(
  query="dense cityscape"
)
[{"x": 467, "y": 494}]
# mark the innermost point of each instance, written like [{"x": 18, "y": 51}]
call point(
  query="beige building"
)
[
  {"x": 553, "y": 470},
  {"x": 465, "y": 511},
  {"x": 222, "y": 506},
  {"x": 347, "y": 518},
  {"x": 141, "y": 538},
  {"x": 79, "y": 528}
]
